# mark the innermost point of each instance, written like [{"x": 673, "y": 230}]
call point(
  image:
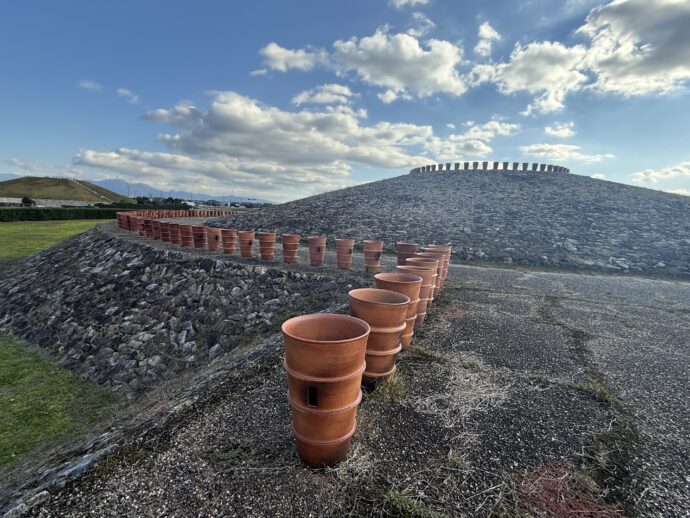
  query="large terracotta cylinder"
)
[
  {"x": 246, "y": 238},
  {"x": 267, "y": 245},
  {"x": 343, "y": 251},
  {"x": 425, "y": 290},
  {"x": 199, "y": 236},
  {"x": 156, "y": 229},
  {"x": 290, "y": 244},
  {"x": 324, "y": 360},
  {"x": 214, "y": 241},
  {"x": 229, "y": 238},
  {"x": 317, "y": 250},
  {"x": 148, "y": 227},
  {"x": 186, "y": 235},
  {"x": 406, "y": 284},
  {"x": 165, "y": 231},
  {"x": 427, "y": 262},
  {"x": 405, "y": 251},
  {"x": 174, "y": 229},
  {"x": 447, "y": 250},
  {"x": 440, "y": 257},
  {"x": 372, "y": 255},
  {"x": 385, "y": 311}
]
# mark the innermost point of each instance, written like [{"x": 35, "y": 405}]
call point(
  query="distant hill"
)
[
  {"x": 541, "y": 219},
  {"x": 142, "y": 189},
  {"x": 41, "y": 187}
]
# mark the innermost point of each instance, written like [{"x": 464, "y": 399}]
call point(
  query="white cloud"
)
[
  {"x": 128, "y": 95},
  {"x": 450, "y": 125},
  {"x": 324, "y": 94},
  {"x": 562, "y": 152},
  {"x": 258, "y": 72},
  {"x": 399, "y": 63},
  {"x": 400, "y": 4},
  {"x": 599, "y": 176},
  {"x": 548, "y": 70},
  {"x": 654, "y": 176},
  {"x": 89, "y": 85},
  {"x": 683, "y": 192},
  {"x": 421, "y": 25},
  {"x": 639, "y": 46},
  {"x": 282, "y": 59},
  {"x": 487, "y": 36},
  {"x": 473, "y": 142},
  {"x": 561, "y": 130}
]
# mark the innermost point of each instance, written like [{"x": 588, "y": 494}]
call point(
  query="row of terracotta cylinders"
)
[
  {"x": 123, "y": 218},
  {"x": 329, "y": 356}
]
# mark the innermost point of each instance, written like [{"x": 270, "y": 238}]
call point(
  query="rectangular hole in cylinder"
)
[{"x": 311, "y": 396}]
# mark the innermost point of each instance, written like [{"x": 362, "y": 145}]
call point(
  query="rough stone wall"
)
[
  {"x": 547, "y": 220},
  {"x": 129, "y": 316}
]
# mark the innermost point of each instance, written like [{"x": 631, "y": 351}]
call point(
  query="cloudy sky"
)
[{"x": 285, "y": 99}]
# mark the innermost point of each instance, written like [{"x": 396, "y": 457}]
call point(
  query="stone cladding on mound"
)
[{"x": 561, "y": 221}]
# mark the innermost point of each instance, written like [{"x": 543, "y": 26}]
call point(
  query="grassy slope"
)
[
  {"x": 40, "y": 402},
  {"x": 55, "y": 188}
]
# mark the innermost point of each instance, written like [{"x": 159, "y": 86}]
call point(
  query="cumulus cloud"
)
[
  {"x": 421, "y": 25},
  {"x": 561, "y": 130},
  {"x": 324, "y": 94},
  {"x": 548, "y": 70},
  {"x": 681, "y": 191},
  {"x": 654, "y": 176},
  {"x": 562, "y": 152},
  {"x": 128, "y": 95},
  {"x": 282, "y": 59},
  {"x": 639, "y": 46},
  {"x": 89, "y": 85},
  {"x": 473, "y": 142},
  {"x": 401, "y": 64},
  {"x": 400, "y": 4},
  {"x": 487, "y": 36},
  {"x": 598, "y": 176}
]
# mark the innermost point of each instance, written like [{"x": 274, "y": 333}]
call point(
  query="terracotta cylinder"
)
[
  {"x": 406, "y": 284},
  {"x": 405, "y": 251},
  {"x": 385, "y": 312},
  {"x": 447, "y": 250},
  {"x": 317, "y": 250},
  {"x": 290, "y": 244},
  {"x": 148, "y": 227},
  {"x": 324, "y": 360},
  {"x": 199, "y": 236},
  {"x": 174, "y": 229},
  {"x": 186, "y": 235},
  {"x": 267, "y": 245},
  {"x": 165, "y": 231},
  {"x": 427, "y": 262},
  {"x": 425, "y": 290},
  {"x": 246, "y": 238},
  {"x": 156, "y": 229},
  {"x": 344, "y": 249},
  {"x": 213, "y": 236},
  {"x": 440, "y": 257},
  {"x": 372, "y": 255},
  {"x": 229, "y": 238}
]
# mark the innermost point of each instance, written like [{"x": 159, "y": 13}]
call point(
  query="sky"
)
[{"x": 281, "y": 100}]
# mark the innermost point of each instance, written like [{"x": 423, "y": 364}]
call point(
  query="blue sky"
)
[{"x": 286, "y": 99}]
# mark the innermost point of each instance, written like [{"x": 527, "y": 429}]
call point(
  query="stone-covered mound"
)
[
  {"x": 129, "y": 316},
  {"x": 542, "y": 219}
]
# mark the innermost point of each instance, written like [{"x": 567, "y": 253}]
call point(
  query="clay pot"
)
[
  {"x": 405, "y": 251},
  {"x": 343, "y": 250},
  {"x": 447, "y": 250},
  {"x": 186, "y": 235},
  {"x": 290, "y": 247},
  {"x": 425, "y": 290},
  {"x": 324, "y": 360},
  {"x": 213, "y": 235},
  {"x": 148, "y": 227},
  {"x": 406, "y": 284},
  {"x": 156, "y": 229},
  {"x": 317, "y": 250},
  {"x": 174, "y": 229},
  {"x": 229, "y": 238},
  {"x": 440, "y": 257},
  {"x": 372, "y": 255},
  {"x": 199, "y": 236},
  {"x": 165, "y": 231},
  {"x": 246, "y": 238},
  {"x": 267, "y": 245},
  {"x": 427, "y": 262},
  {"x": 385, "y": 311}
]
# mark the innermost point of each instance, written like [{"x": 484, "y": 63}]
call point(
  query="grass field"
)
[
  {"x": 21, "y": 238},
  {"x": 57, "y": 189},
  {"x": 41, "y": 403}
]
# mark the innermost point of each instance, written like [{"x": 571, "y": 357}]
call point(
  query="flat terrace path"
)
[{"x": 514, "y": 370}]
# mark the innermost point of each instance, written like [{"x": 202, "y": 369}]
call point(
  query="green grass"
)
[
  {"x": 21, "y": 238},
  {"x": 57, "y": 189},
  {"x": 41, "y": 403}
]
